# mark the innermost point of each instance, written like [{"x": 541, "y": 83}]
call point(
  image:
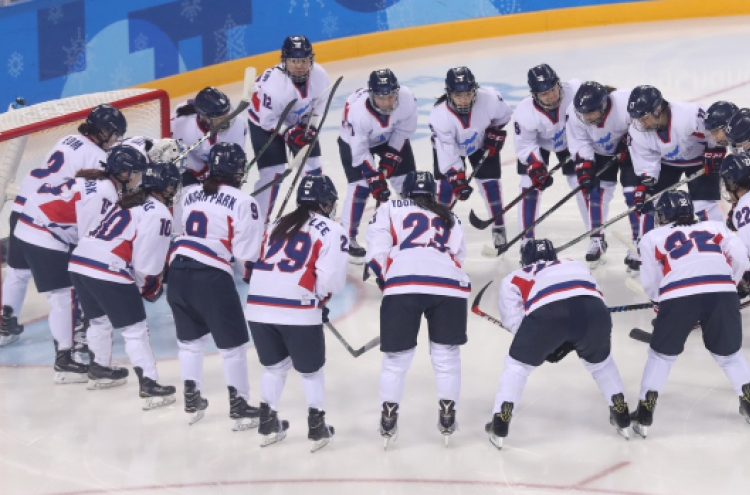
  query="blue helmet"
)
[
  {"x": 460, "y": 80},
  {"x": 226, "y": 159},
  {"x": 163, "y": 178},
  {"x": 674, "y": 206},
  {"x": 537, "y": 250},
  {"x": 122, "y": 160},
  {"x": 735, "y": 171},
  {"x": 382, "y": 82},
  {"x": 418, "y": 183},
  {"x": 107, "y": 121},
  {"x": 738, "y": 127},
  {"x": 541, "y": 79},
  {"x": 296, "y": 47},
  {"x": 211, "y": 103},
  {"x": 645, "y": 100},
  {"x": 591, "y": 97},
  {"x": 718, "y": 115},
  {"x": 319, "y": 191}
]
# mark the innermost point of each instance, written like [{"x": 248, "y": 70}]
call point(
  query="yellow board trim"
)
[{"x": 452, "y": 32}]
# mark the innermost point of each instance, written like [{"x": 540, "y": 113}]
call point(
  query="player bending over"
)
[
  {"x": 303, "y": 262},
  {"x": 115, "y": 267},
  {"x": 692, "y": 270},
  {"x": 553, "y": 307},
  {"x": 221, "y": 225},
  {"x": 415, "y": 247}
]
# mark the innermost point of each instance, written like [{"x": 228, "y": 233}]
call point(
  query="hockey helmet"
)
[
  {"x": 163, "y": 178},
  {"x": 297, "y": 47},
  {"x": 591, "y": 97},
  {"x": 537, "y": 250},
  {"x": 644, "y": 101},
  {"x": 541, "y": 79},
  {"x": 738, "y": 129},
  {"x": 107, "y": 122},
  {"x": 383, "y": 83},
  {"x": 227, "y": 160},
  {"x": 318, "y": 190},
  {"x": 674, "y": 206},
  {"x": 460, "y": 80},
  {"x": 718, "y": 115},
  {"x": 211, "y": 103},
  {"x": 123, "y": 161},
  {"x": 735, "y": 172},
  {"x": 418, "y": 183}
]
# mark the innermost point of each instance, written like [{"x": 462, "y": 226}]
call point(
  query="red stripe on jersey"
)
[
  {"x": 307, "y": 281},
  {"x": 124, "y": 251},
  {"x": 61, "y": 211},
  {"x": 524, "y": 285},
  {"x": 230, "y": 236},
  {"x": 256, "y": 102},
  {"x": 393, "y": 234},
  {"x": 664, "y": 260}
]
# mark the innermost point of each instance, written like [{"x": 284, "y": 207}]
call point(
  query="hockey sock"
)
[
  {"x": 512, "y": 382},
  {"x": 444, "y": 191},
  {"x": 736, "y": 368},
  {"x": 708, "y": 210},
  {"x": 267, "y": 198},
  {"x": 446, "y": 361},
  {"x": 99, "y": 337},
  {"x": 191, "y": 359},
  {"x": 272, "y": 382},
  {"x": 138, "y": 347},
  {"x": 14, "y": 288},
  {"x": 61, "y": 316},
  {"x": 607, "y": 377},
  {"x": 235, "y": 370},
  {"x": 354, "y": 207},
  {"x": 633, "y": 217},
  {"x": 492, "y": 193},
  {"x": 656, "y": 372},
  {"x": 599, "y": 203},
  {"x": 529, "y": 209},
  {"x": 581, "y": 200},
  {"x": 313, "y": 384},
  {"x": 393, "y": 374}
]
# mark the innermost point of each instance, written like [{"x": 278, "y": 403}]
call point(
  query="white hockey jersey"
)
[
  {"x": 128, "y": 246},
  {"x": 741, "y": 219},
  {"x": 586, "y": 140},
  {"x": 534, "y": 286},
  {"x": 536, "y": 128},
  {"x": 220, "y": 229},
  {"x": 190, "y": 129},
  {"x": 56, "y": 217},
  {"x": 274, "y": 90},
  {"x": 454, "y": 135},
  {"x": 290, "y": 279},
  {"x": 70, "y": 154},
  {"x": 362, "y": 127},
  {"x": 695, "y": 259},
  {"x": 411, "y": 251},
  {"x": 686, "y": 140},
  {"x": 140, "y": 143}
]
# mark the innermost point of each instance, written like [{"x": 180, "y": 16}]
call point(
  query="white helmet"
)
[{"x": 166, "y": 150}]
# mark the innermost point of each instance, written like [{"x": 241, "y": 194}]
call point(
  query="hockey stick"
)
[
  {"x": 354, "y": 352},
  {"x": 551, "y": 210},
  {"x": 477, "y": 311},
  {"x": 483, "y": 224},
  {"x": 629, "y": 211},
  {"x": 473, "y": 173},
  {"x": 274, "y": 135}
]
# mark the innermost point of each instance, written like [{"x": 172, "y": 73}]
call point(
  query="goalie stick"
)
[{"x": 274, "y": 135}]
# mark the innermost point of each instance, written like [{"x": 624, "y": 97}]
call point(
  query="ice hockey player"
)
[
  {"x": 378, "y": 121},
  {"x": 668, "y": 139},
  {"x": 716, "y": 120},
  {"x": 539, "y": 131},
  {"x": 303, "y": 262},
  {"x": 597, "y": 133},
  {"x": 221, "y": 226},
  {"x": 415, "y": 247},
  {"x": 468, "y": 121},
  {"x": 104, "y": 126},
  {"x": 735, "y": 174},
  {"x": 553, "y": 307},
  {"x": 115, "y": 267},
  {"x": 737, "y": 130},
  {"x": 691, "y": 269},
  {"x": 296, "y": 77}
]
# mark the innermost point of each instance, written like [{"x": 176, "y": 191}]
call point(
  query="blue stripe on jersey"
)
[
  {"x": 684, "y": 163},
  {"x": 30, "y": 222},
  {"x": 97, "y": 265},
  {"x": 253, "y": 115},
  {"x": 693, "y": 281},
  {"x": 561, "y": 287},
  {"x": 20, "y": 200},
  {"x": 281, "y": 303},
  {"x": 447, "y": 283},
  {"x": 199, "y": 248}
]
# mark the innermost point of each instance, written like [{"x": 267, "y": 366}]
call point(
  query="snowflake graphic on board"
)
[
  {"x": 15, "y": 64},
  {"x": 121, "y": 77},
  {"x": 330, "y": 25},
  {"x": 507, "y": 6},
  {"x": 140, "y": 42},
  {"x": 55, "y": 14},
  {"x": 230, "y": 41},
  {"x": 190, "y": 9},
  {"x": 75, "y": 53},
  {"x": 305, "y": 5}
]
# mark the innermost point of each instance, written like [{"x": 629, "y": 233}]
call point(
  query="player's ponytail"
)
[
  {"x": 212, "y": 183},
  {"x": 185, "y": 110},
  {"x": 428, "y": 203},
  {"x": 132, "y": 199},
  {"x": 610, "y": 89},
  {"x": 291, "y": 223},
  {"x": 441, "y": 99},
  {"x": 92, "y": 174}
]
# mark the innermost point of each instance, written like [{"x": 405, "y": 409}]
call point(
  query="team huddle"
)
[{"x": 105, "y": 223}]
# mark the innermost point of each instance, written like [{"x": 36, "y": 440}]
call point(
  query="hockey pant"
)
[
  {"x": 137, "y": 344},
  {"x": 357, "y": 195},
  {"x": 234, "y": 362},
  {"x": 529, "y": 208},
  {"x": 267, "y": 199},
  {"x": 14, "y": 288},
  {"x": 273, "y": 379}
]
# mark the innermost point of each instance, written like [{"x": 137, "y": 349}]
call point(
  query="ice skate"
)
[
  {"x": 271, "y": 429},
  {"x": 67, "y": 370},
  {"x": 80, "y": 344},
  {"x": 596, "y": 254},
  {"x": 388, "y": 423},
  {"x": 318, "y": 431},
  {"x": 195, "y": 405},
  {"x": 152, "y": 394},
  {"x": 633, "y": 262},
  {"x": 498, "y": 427},
  {"x": 745, "y": 402},
  {"x": 356, "y": 252},
  {"x": 619, "y": 416},
  {"x": 245, "y": 416},
  {"x": 644, "y": 415},
  {"x": 499, "y": 240},
  {"x": 10, "y": 330},
  {"x": 447, "y": 419},
  {"x": 101, "y": 377}
]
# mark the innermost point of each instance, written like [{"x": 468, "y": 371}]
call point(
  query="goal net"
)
[{"x": 28, "y": 134}]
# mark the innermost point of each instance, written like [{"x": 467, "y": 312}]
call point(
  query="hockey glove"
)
[
  {"x": 622, "y": 153},
  {"x": 540, "y": 177},
  {"x": 389, "y": 162},
  {"x": 730, "y": 222},
  {"x": 712, "y": 158},
  {"x": 494, "y": 139},
  {"x": 585, "y": 174},
  {"x": 461, "y": 188},
  {"x": 152, "y": 289},
  {"x": 378, "y": 187},
  {"x": 558, "y": 354},
  {"x": 296, "y": 137},
  {"x": 641, "y": 194}
]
